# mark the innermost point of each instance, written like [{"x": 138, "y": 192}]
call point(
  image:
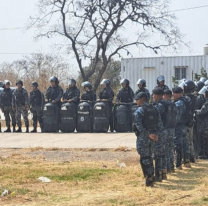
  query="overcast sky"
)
[{"x": 15, "y": 43}]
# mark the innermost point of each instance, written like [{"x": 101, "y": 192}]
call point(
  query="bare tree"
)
[
  {"x": 37, "y": 67},
  {"x": 95, "y": 29}
]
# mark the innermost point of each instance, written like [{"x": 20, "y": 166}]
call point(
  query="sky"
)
[{"x": 14, "y": 43}]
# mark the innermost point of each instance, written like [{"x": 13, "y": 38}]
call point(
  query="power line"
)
[
  {"x": 178, "y": 10},
  {"x": 190, "y": 8}
]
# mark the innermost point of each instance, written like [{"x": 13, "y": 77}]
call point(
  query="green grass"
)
[{"x": 83, "y": 174}]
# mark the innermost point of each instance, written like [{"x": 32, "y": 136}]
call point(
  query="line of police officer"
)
[
  {"x": 165, "y": 129},
  {"x": 16, "y": 102}
]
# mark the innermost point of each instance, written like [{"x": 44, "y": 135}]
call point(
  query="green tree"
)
[{"x": 203, "y": 74}]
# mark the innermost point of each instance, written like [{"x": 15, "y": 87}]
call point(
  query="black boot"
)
[
  {"x": 34, "y": 130},
  {"x": 158, "y": 177},
  {"x": 14, "y": 130},
  {"x": 27, "y": 129},
  {"x": 8, "y": 129},
  {"x": 164, "y": 174},
  {"x": 19, "y": 129},
  {"x": 150, "y": 181}
]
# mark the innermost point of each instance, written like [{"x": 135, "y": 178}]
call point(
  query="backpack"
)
[
  {"x": 188, "y": 117},
  {"x": 169, "y": 116},
  {"x": 151, "y": 116}
]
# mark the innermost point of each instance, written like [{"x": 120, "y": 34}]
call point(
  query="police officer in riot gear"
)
[
  {"x": 180, "y": 138},
  {"x": 125, "y": 94},
  {"x": 200, "y": 100},
  {"x": 37, "y": 102},
  {"x": 170, "y": 123},
  {"x": 107, "y": 94},
  {"x": 161, "y": 82},
  {"x": 54, "y": 94},
  {"x": 20, "y": 104},
  {"x": 189, "y": 87},
  {"x": 72, "y": 93},
  {"x": 146, "y": 127},
  {"x": 202, "y": 122},
  {"x": 161, "y": 147},
  {"x": 6, "y": 105},
  {"x": 141, "y": 88},
  {"x": 88, "y": 94}
]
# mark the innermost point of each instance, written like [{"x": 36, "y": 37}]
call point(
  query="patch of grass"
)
[
  {"x": 83, "y": 174},
  {"x": 201, "y": 201},
  {"x": 88, "y": 183}
]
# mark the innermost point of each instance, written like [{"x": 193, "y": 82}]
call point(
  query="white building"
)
[{"x": 150, "y": 68}]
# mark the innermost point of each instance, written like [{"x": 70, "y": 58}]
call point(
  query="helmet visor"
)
[{"x": 203, "y": 90}]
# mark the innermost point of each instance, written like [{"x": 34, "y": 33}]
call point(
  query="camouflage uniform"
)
[
  {"x": 19, "y": 102},
  {"x": 72, "y": 93},
  {"x": 145, "y": 146},
  {"x": 146, "y": 91},
  {"x": 198, "y": 141},
  {"x": 190, "y": 135},
  {"x": 161, "y": 145},
  {"x": 107, "y": 93},
  {"x": 180, "y": 138},
  {"x": 6, "y": 107},
  {"x": 203, "y": 129},
  {"x": 37, "y": 102}
]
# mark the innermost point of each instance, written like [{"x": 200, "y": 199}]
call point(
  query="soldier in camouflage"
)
[
  {"x": 37, "y": 102},
  {"x": 20, "y": 104},
  {"x": 6, "y": 105},
  {"x": 72, "y": 93},
  {"x": 146, "y": 127}
]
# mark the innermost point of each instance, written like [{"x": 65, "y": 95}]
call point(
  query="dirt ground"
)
[{"x": 93, "y": 177}]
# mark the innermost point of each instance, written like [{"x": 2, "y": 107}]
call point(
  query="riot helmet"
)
[
  {"x": 106, "y": 82},
  {"x": 199, "y": 85},
  {"x": 19, "y": 82},
  {"x": 187, "y": 86},
  {"x": 87, "y": 84},
  {"x": 34, "y": 84},
  {"x": 72, "y": 82},
  {"x": 203, "y": 79},
  {"x": 142, "y": 82},
  {"x": 54, "y": 79},
  {"x": 160, "y": 79},
  {"x": 206, "y": 83},
  {"x": 6, "y": 82},
  {"x": 203, "y": 90},
  {"x": 125, "y": 81}
]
